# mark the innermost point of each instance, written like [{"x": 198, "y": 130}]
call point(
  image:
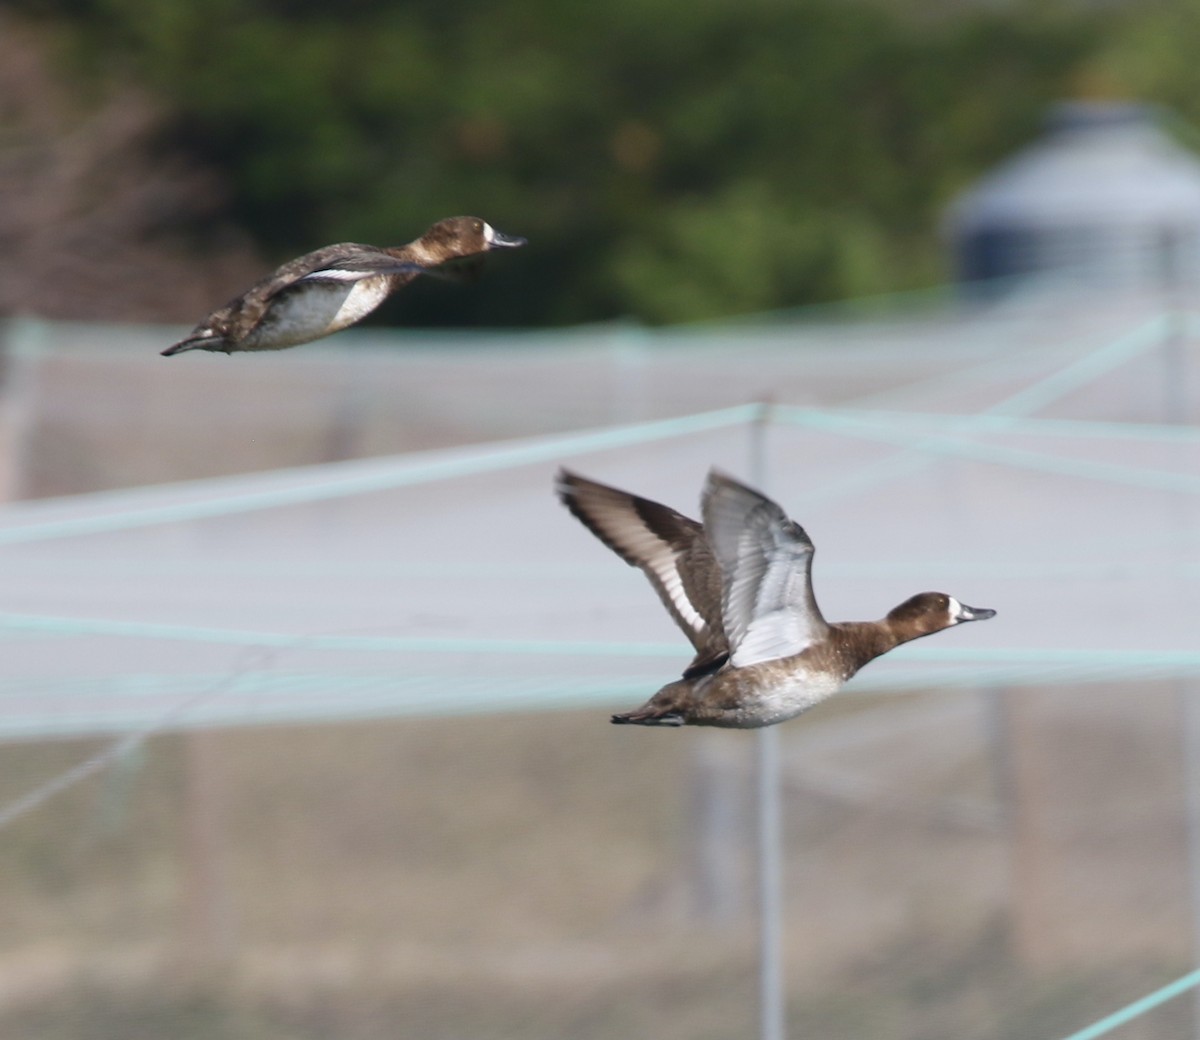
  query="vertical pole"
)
[
  {"x": 20, "y": 359},
  {"x": 1190, "y": 711},
  {"x": 770, "y": 886},
  {"x": 718, "y": 881},
  {"x": 1174, "y": 347},
  {"x": 630, "y": 362},
  {"x": 772, "y": 1024},
  {"x": 998, "y": 729},
  {"x": 1175, "y": 413},
  {"x": 347, "y": 406},
  {"x": 208, "y": 919}
]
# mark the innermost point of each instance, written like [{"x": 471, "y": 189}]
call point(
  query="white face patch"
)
[
  {"x": 489, "y": 233},
  {"x": 955, "y": 610}
]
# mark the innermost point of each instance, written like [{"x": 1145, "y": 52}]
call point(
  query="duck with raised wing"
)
[
  {"x": 740, "y": 587},
  {"x": 326, "y": 290}
]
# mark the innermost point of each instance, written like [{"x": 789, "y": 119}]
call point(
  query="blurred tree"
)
[
  {"x": 1150, "y": 54},
  {"x": 668, "y": 160},
  {"x": 95, "y": 220}
]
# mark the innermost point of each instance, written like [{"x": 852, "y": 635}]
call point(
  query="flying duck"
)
[
  {"x": 740, "y": 587},
  {"x": 326, "y": 290}
]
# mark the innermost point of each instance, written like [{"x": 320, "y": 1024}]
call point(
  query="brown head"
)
[
  {"x": 929, "y": 612},
  {"x": 463, "y": 236}
]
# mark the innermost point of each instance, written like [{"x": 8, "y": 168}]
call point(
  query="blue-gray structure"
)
[{"x": 1105, "y": 196}]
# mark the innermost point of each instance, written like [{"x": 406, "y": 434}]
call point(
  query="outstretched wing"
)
[
  {"x": 344, "y": 263},
  {"x": 347, "y": 262},
  {"x": 765, "y": 559},
  {"x": 668, "y": 547}
]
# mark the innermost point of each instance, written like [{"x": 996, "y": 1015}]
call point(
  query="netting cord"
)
[
  {"x": 874, "y": 429},
  {"x": 1138, "y": 1008},
  {"x": 917, "y": 452},
  {"x": 325, "y": 641},
  {"x": 1041, "y": 657},
  {"x": 118, "y": 749},
  {"x": 363, "y": 476},
  {"x": 1021, "y": 404},
  {"x": 339, "y": 480}
]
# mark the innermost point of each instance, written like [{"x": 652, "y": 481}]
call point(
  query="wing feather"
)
[
  {"x": 668, "y": 547},
  {"x": 768, "y": 609},
  {"x": 344, "y": 262}
]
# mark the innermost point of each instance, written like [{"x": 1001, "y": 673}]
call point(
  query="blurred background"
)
[
  {"x": 305, "y": 674},
  {"x": 672, "y": 161}
]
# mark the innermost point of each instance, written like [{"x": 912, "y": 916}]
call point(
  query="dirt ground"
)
[{"x": 554, "y": 876}]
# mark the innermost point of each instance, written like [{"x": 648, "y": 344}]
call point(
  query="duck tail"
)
[
  {"x": 648, "y": 718},
  {"x": 204, "y": 341}
]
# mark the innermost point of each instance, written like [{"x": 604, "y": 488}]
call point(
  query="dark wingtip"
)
[
  {"x": 566, "y": 487},
  {"x": 564, "y": 481}
]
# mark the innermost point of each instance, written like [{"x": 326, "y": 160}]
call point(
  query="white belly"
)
[
  {"x": 787, "y": 698},
  {"x": 363, "y": 298},
  {"x": 319, "y": 309}
]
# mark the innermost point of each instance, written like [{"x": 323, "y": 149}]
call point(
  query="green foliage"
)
[
  {"x": 742, "y": 251},
  {"x": 669, "y": 160},
  {"x": 1151, "y": 54}
]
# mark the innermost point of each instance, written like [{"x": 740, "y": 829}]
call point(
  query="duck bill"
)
[
  {"x": 499, "y": 240},
  {"x": 966, "y": 613}
]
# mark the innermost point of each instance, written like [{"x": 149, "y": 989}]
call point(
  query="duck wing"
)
[
  {"x": 343, "y": 263},
  {"x": 767, "y": 606},
  {"x": 666, "y": 546}
]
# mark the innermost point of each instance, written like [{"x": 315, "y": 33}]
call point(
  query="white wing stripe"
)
[
  {"x": 336, "y": 275},
  {"x": 673, "y": 584},
  {"x": 614, "y": 516},
  {"x": 659, "y": 558}
]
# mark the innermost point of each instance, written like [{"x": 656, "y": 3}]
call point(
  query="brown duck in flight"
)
[
  {"x": 740, "y": 588},
  {"x": 326, "y": 290}
]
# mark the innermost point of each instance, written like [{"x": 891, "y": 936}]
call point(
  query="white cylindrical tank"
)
[{"x": 1105, "y": 195}]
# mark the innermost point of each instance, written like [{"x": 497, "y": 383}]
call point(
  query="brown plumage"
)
[
  {"x": 326, "y": 290},
  {"x": 739, "y": 586}
]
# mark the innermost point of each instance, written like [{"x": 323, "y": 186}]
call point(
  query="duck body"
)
[
  {"x": 739, "y": 585},
  {"x": 767, "y": 692},
  {"x": 736, "y": 698},
  {"x": 303, "y": 301},
  {"x": 333, "y": 287}
]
